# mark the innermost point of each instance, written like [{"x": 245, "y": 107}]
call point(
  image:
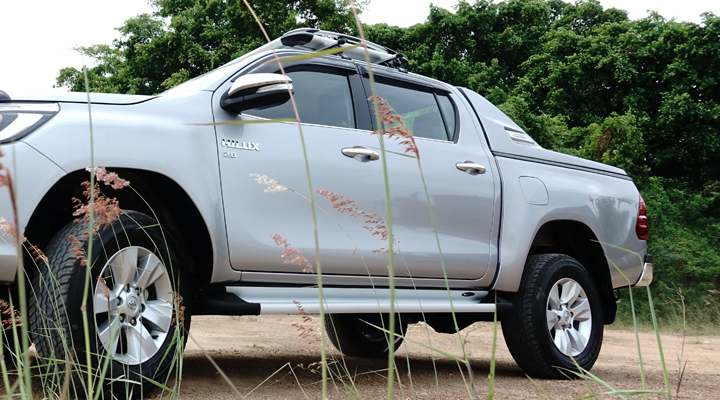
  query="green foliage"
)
[
  {"x": 616, "y": 141},
  {"x": 685, "y": 229},
  {"x": 186, "y": 38},
  {"x": 642, "y": 95}
]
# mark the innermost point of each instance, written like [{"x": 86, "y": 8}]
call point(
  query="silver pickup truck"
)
[{"x": 216, "y": 219}]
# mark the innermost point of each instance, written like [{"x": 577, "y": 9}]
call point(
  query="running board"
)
[{"x": 289, "y": 300}]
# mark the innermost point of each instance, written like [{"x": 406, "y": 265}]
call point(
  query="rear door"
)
[{"x": 463, "y": 202}]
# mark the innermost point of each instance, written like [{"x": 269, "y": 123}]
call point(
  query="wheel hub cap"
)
[
  {"x": 133, "y": 305},
  {"x": 566, "y": 317},
  {"x": 569, "y": 318}
]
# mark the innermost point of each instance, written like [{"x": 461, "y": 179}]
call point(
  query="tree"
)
[{"x": 152, "y": 56}]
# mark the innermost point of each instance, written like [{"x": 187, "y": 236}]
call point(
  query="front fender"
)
[{"x": 33, "y": 175}]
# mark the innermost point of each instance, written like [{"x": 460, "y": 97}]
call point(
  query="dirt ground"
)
[{"x": 265, "y": 358}]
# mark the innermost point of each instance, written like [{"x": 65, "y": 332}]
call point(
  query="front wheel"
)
[
  {"x": 134, "y": 303},
  {"x": 556, "y": 324}
]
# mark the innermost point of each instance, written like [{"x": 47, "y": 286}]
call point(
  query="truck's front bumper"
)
[{"x": 647, "y": 273}]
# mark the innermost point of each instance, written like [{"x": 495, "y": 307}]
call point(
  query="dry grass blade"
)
[
  {"x": 318, "y": 264},
  {"x": 397, "y": 153},
  {"x": 622, "y": 393},
  {"x": 456, "y": 358},
  {"x": 539, "y": 387},
  {"x": 320, "y": 53},
  {"x": 217, "y": 367},
  {"x": 630, "y": 392},
  {"x": 275, "y": 373},
  {"x": 681, "y": 365},
  {"x": 491, "y": 376},
  {"x": 388, "y": 208},
  {"x": 681, "y": 374},
  {"x": 635, "y": 325},
  {"x": 66, "y": 378}
]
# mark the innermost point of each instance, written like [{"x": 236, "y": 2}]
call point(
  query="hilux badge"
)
[{"x": 241, "y": 145}]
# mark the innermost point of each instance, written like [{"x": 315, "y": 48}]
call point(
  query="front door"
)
[{"x": 264, "y": 180}]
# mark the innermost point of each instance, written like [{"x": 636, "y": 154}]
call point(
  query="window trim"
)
[{"x": 404, "y": 78}]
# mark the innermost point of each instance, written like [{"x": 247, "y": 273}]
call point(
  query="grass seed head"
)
[
  {"x": 109, "y": 178},
  {"x": 106, "y": 210},
  {"x": 373, "y": 224},
  {"x": 292, "y": 255},
  {"x": 39, "y": 255},
  {"x": 273, "y": 186},
  {"x": 394, "y": 127},
  {"x": 7, "y": 228},
  {"x": 78, "y": 249}
]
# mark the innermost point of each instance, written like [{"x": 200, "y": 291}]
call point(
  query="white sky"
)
[{"x": 37, "y": 36}]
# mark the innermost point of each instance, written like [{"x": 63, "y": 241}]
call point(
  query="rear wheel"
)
[
  {"x": 135, "y": 306},
  {"x": 556, "y": 324},
  {"x": 355, "y": 335}
]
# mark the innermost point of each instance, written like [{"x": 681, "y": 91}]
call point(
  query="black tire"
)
[
  {"x": 352, "y": 335},
  {"x": 526, "y": 329},
  {"x": 56, "y": 318}
]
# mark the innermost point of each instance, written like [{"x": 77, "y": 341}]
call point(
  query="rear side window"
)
[
  {"x": 420, "y": 111},
  {"x": 321, "y": 98},
  {"x": 448, "y": 113}
]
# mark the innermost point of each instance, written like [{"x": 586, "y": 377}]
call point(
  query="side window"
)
[
  {"x": 322, "y": 98},
  {"x": 448, "y": 113},
  {"x": 419, "y": 110}
]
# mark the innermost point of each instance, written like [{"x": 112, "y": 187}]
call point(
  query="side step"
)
[{"x": 288, "y": 300}]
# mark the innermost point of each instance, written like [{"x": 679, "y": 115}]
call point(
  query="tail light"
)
[{"x": 642, "y": 227}]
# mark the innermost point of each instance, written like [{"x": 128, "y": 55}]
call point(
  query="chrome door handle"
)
[
  {"x": 361, "y": 154},
  {"x": 470, "y": 167}
]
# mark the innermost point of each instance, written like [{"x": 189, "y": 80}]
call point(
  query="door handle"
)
[
  {"x": 470, "y": 167},
  {"x": 361, "y": 154}
]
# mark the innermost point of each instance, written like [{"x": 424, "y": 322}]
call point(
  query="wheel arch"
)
[
  {"x": 577, "y": 240},
  {"x": 151, "y": 193}
]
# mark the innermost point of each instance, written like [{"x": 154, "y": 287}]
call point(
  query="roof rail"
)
[{"x": 318, "y": 40}]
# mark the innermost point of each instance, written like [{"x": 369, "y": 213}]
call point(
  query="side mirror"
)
[{"x": 256, "y": 91}]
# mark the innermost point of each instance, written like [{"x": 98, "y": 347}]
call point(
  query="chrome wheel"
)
[
  {"x": 569, "y": 318},
  {"x": 133, "y": 305}
]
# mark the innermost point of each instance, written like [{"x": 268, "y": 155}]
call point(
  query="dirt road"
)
[{"x": 250, "y": 350}]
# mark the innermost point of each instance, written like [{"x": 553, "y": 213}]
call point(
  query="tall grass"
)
[{"x": 91, "y": 231}]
